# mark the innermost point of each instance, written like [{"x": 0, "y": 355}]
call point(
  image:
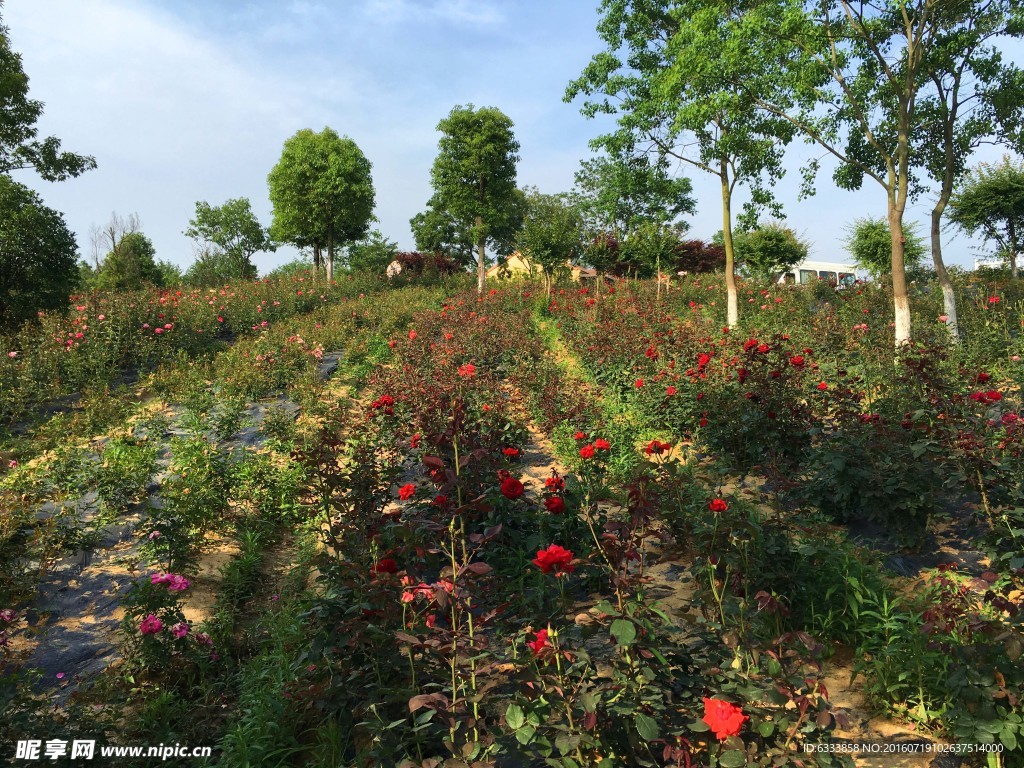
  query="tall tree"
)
[
  {"x": 617, "y": 193},
  {"x": 37, "y": 255},
  {"x": 322, "y": 192},
  {"x": 990, "y": 202},
  {"x": 868, "y": 241},
  {"x": 372, "y": 254},
  {"x": 474, "y": 174},
  {"x": 19, "y": 147},
  {"x": 847, "y": 74},
  {"x": 231, "y": 232},
  {"x": 130, "y": 265},
  {"x": 675, "y": 92},
  {"x": 769, "y": 250},
  {"x": 552, "y": 233}
]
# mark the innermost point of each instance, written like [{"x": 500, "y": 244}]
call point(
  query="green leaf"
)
[
  {"x": 515, "y": 717},
  {"x": 525, "y": 734},
  {"x": 766, "y": 728},
  {"x": 646, "y": 726},
  {"x": 732, "y": 758},
  {"x": 699, "y": 726},
  {"x": 624, "y": 631}
]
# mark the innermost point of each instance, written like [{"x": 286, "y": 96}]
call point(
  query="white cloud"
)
[{"x": 454, "y": 11}]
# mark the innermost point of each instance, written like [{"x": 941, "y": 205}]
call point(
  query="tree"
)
[
  {"x": 130, "y": 265},
  {"x": 231, "y": 234},
  {"x": 322, "y": 192},
  {"x": 373, "y": 254},
  {"x": 214, "y": 267},
  {"x": 552, "y": 233},
  {"x": 474, "y": 174},
  {"x": 37, "y": 255},
  {"x": 976, "y": 98},
  {"x": 438, "y": 231},
  {"x": 676, "y": 91},
  {"x": 847, "y": 75},
  {"x": 990, "y": 202},
  {"x": 770, "y": 250},
  {"x": 650, "y": 246},
  {"x": 619, "y": 192},
  {"x": 868, "y": 241},
  {"x": 19, "y": 147}
]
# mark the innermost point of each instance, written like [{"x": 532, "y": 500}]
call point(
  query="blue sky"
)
[{"x": 186, "y": 100}]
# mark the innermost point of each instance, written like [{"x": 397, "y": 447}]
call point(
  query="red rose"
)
[
  {"x": 387, "y": 565},
  {"x": 406, "y": 492},
  {"x": 656, "y": 448},
  {"x": 587, "y": 451},
  {"x": 602, "y": 444},
  {"x": 412, "y": 335},
  {"x": 580, "y": 436},
  {"x": 540, "y": 643},
  {"x": 414, "y": 441},
  {"x": 669, "y": 391},
  {"x": 718, "y": 505},
  {"x": 554, "y": 483},
  {"x": 510, "y": 452},
  {"x": 993, "y": 396},
  {"x": 763, "y": 348},
  {"x": 467, "y": 371},
  {"x": 724, "y": 719},
  {"x": 554, "y": 558},
  {"x": 823, "y": 386},
  {"x": 639, "y": 383},
  {"x": 796, "y": 360},
  {"x": 555, "y": 505},
  {"x": 983, "y": 377},
  {"x": 511, "y": 488}
]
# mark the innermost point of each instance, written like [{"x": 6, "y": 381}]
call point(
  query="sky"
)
[{"x": 188, "y": 100}]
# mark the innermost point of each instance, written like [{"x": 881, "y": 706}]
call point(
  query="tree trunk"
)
[
  {"x": 948, "y": 297},
  {"x": 732, "y": 311},
  {"x": 330, "y": 254},
  {"x": 900, "y": 298},
  {"x": 1013, "y": 248},
  {"x": 481, "y": 263},
  {"x": 316, "y": 261}
]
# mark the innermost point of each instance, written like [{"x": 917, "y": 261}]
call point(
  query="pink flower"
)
[
  {"x": 158, "y": 331},
  {"x": 12, "y": 353},
  {"x": 540, "y": 643},
  {"x": 150, "y": 625},
  {"x": 102, "y": 317},
  {"x": 179, "y": 630},
  {"x": 943, "y": 318},
  {"x": 203, "y": 639}
]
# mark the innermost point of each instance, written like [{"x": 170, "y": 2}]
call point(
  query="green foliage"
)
[
  {"x": 990, "y": 202},
  {"x": 372, "y": 254},
  {"x": 619, "y": 192},
  {"x": 322, "y": 191},
  {"x": 769, "y": 250},
  {"x": 19, "y": 114},
  {"x": 551, "y": 236},
  {"x": 474, "y": 173},
  {"x": 232, "y": 234},
  {"x": 130, "y": 266},
  {"x": 37, "y": 253},
  {"x": 869, "y": 242},
  {"x": 214, "y": 268},
  {"x": 650, "y": 248}
]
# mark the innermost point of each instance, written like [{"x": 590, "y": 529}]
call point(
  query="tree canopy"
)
[
  {"x": 37, "y": 255},
  {"x": 229, "y": 235},
  {"x": 474, "y": 174},
  {"x": 322, "y": 192},
  {"x": 770, "y": 250},
  {"x": 868, "y": 241},
  {"x": 552, "y": 232},
  {"x": 990, "y": 202},
  {"x": 19, "y": 146}
]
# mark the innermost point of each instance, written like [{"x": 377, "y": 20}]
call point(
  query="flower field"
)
[{"x": 366, "y": 525}]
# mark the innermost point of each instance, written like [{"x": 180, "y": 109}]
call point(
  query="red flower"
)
[
  {"x": 656, "y": 448},
  {"x": 554, "y": 483},
  {"x": 796, "y": 360},
  {"x": 993, "y": 299},
  {"x": 510, "y": 452},
  {"x": 718, "y": 505},
  {"x": 822, "y": 386},
  {"x": 555, "y": 505},
  {"x": 511, "y": 488},
  {"x": 414, "y": 441},
  {"x": 407, "y": 491},
  {"x": 750, "y": 344},
  {"x": 540, "y": 643},
  {"x": 993, "y": 396},
  {"x": 587, "y": 451},
  {"x": 602, "y": 444},
  {"x": 669, "y": 391},
  {"x": 387, "y": 565},
  {"x": 580, "y": 436},
  {"x": 724, "y": 719},
  {"x": 467, "y": 371},
  {"x": 392, "y": 344},
  {"x": 639, "y": 383},
  {"x": 763, "y": 348},
  {"x": 983, "y": 377},
  {"x": 554, "y": 558}
]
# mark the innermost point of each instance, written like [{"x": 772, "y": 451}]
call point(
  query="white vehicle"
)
[{"x": 834, "y": 272}]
